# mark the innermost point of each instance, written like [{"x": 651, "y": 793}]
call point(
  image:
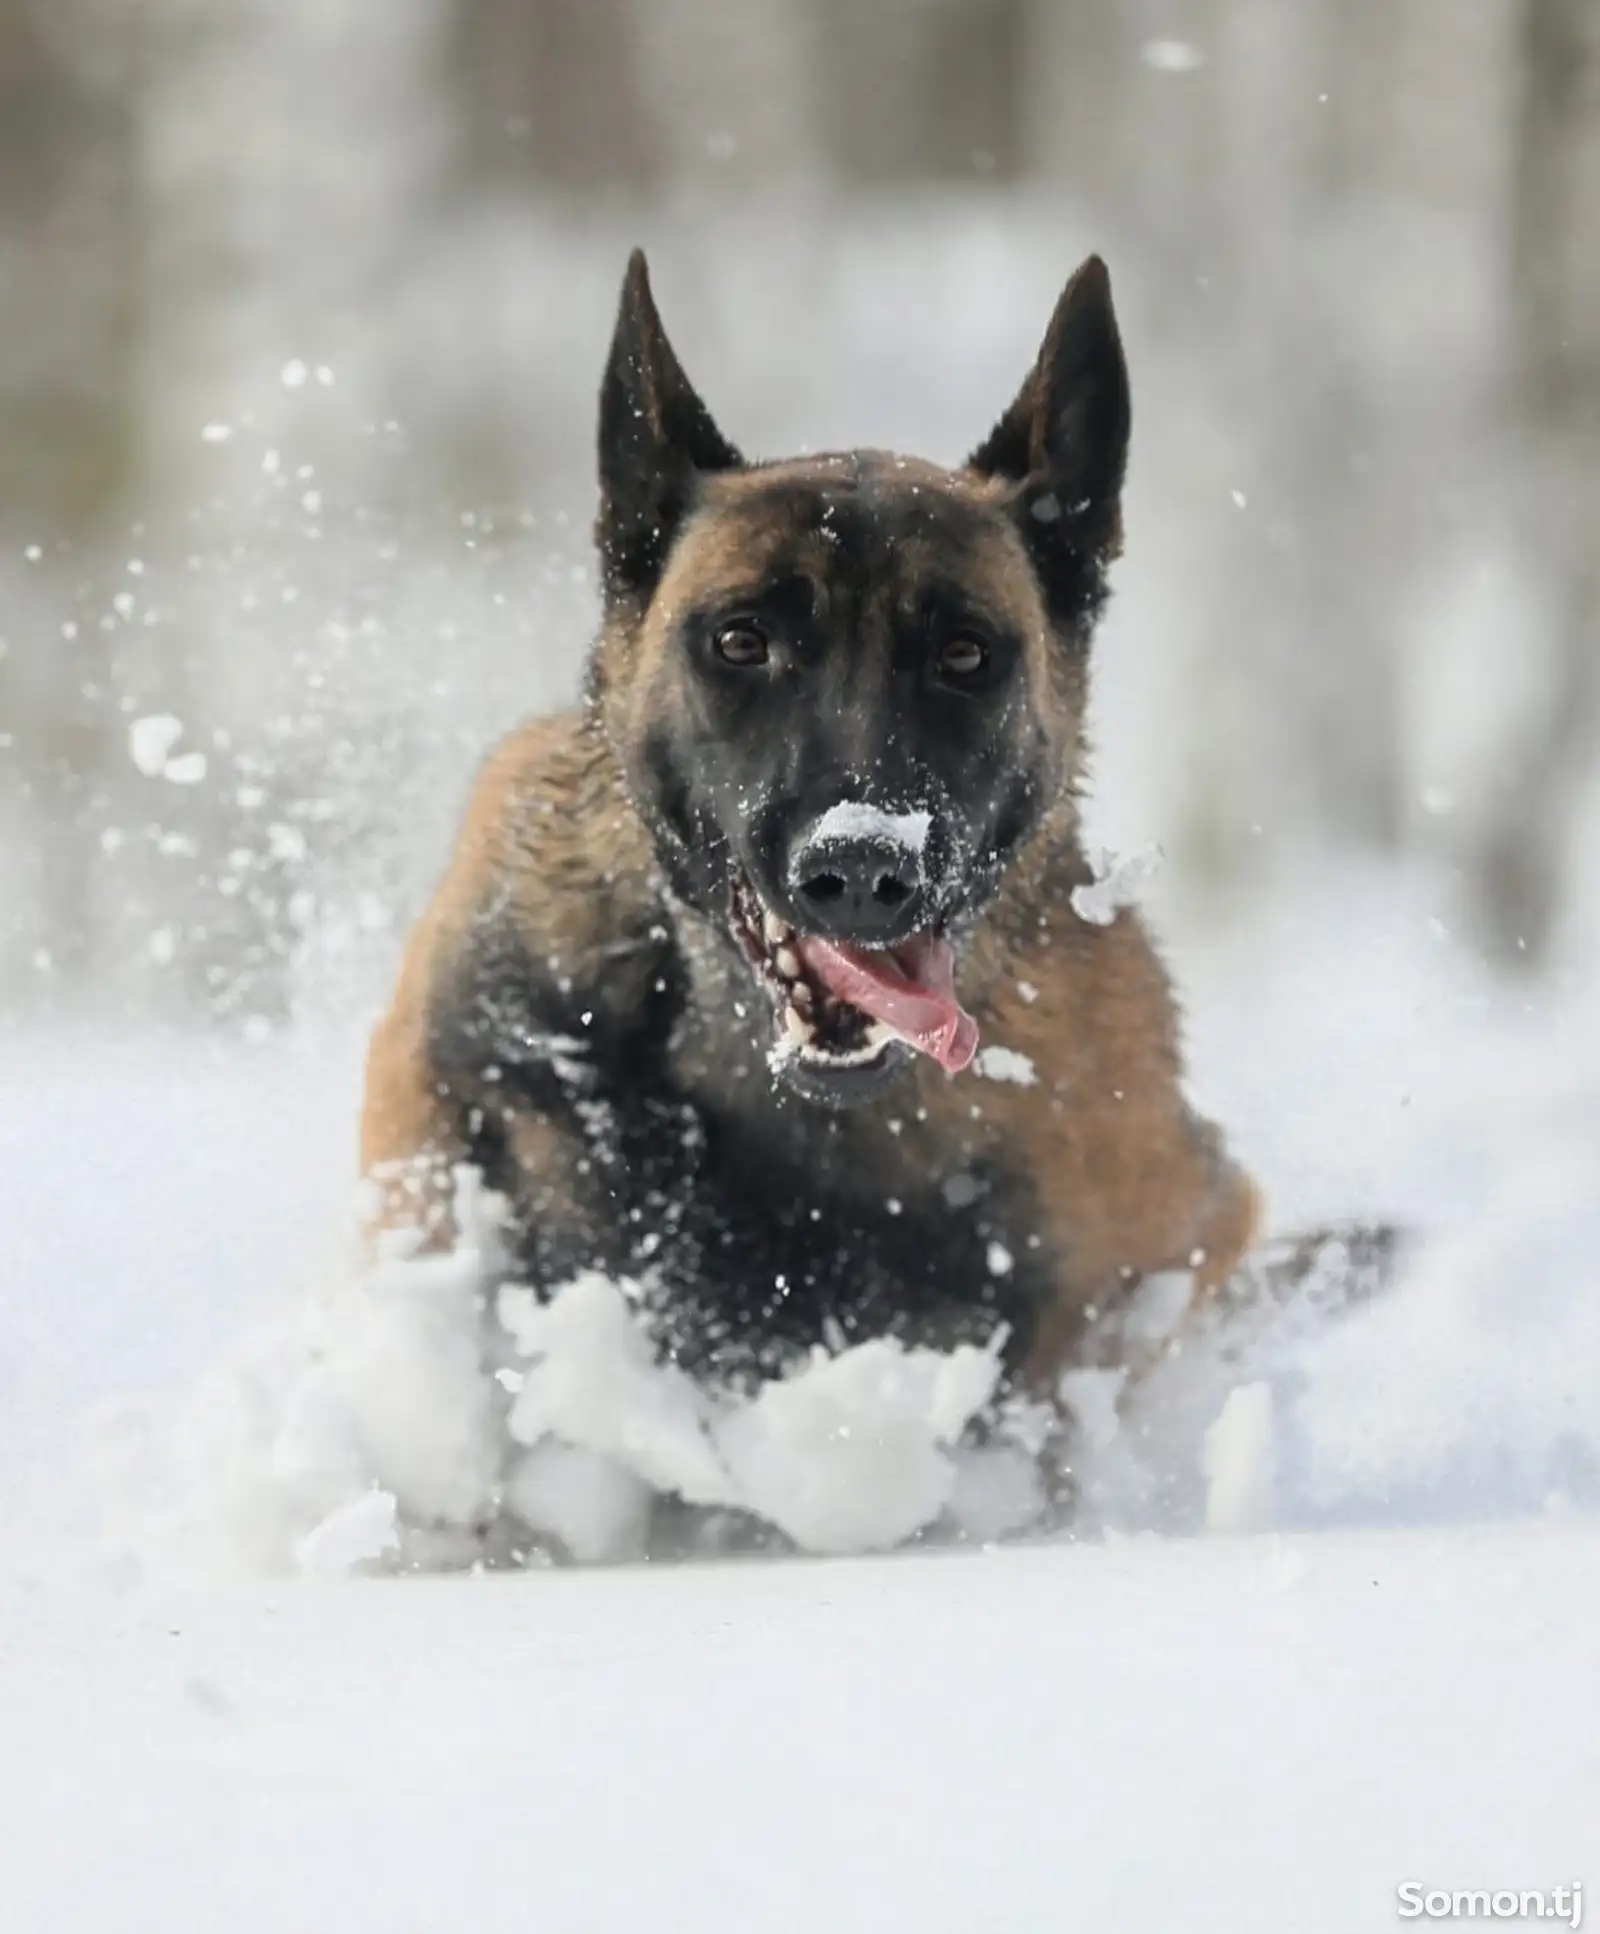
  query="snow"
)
[
  {"x": 1250, "y": 1733},
  {"x": 1118, "y": 882},
  {"x": 853, "y": 819},
  {"x": 853, "y": 1454},
  {"x": 553, "y": 1419},
  {"x": 593, "y": 1506},
  {"x": 1327, "y": 1625},
  {"x": 1005, "y": 1064},
  {"x": 1507, "y": 1318},
  {"x": 150, "y": 741},
  {"x": 1238, "y": 1461},
  {"x": 188, "y": 769},
  {"x": 358, "y": 1533}
]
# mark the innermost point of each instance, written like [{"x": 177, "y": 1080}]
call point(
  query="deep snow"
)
[{"x": 1251, "y": 1731}]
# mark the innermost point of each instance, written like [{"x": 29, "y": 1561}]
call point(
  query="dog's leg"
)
[
  {"x": 1209, "y": 1217},
  {"x": 413, "y": 1134}
]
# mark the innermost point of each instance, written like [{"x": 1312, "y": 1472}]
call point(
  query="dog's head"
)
[{"x": 847, "y": 690}]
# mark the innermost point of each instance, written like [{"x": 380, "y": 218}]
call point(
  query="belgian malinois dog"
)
[{"x": 757, "y": 978}]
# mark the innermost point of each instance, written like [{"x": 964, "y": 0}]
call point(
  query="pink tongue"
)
[{"x": 912, "y": 990}]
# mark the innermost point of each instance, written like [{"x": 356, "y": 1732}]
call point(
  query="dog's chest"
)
[{"x": 754, "y": 1245}]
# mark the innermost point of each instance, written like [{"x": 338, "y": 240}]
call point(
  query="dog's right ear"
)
[
  {"x": 1063, "y": 443},
  {"x": 656, "y": 438}
]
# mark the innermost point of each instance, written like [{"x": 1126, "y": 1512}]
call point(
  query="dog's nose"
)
[{"x": 867, "y": 889}]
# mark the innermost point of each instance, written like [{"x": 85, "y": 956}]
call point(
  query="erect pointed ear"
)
[
  {"x": 1064, "y": 441},
  {"x": 656, "y": 436}
]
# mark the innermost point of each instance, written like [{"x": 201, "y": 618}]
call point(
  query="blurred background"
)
[{"x": 302, "y": 309}]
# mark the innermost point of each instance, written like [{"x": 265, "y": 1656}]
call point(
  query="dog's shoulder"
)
[
  {"x": 550, "y": 849},
  {"x": 1080, "y": 997},
  {"x": 548, "y": 918},
  {"x": 1081, "y": 1083}
]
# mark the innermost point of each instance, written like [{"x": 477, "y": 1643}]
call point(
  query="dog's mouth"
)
[{"x": 840, "y": 1006}]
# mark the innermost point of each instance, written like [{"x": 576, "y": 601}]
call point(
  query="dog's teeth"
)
[
  {"x": 774, "y": 929},
  {"x": 822, "y": 1057},
  {"x": 800, "y": 995},
  {"x": 796, "y": 1026},
  {"x": 878, "y": 1034},
  {"x": 787, "y": 962}
]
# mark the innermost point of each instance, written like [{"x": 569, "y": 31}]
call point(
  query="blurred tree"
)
[
  {"x": 1555, "y": 309},
  {"x": 554, "y": 93},
  {"x": 425, "y": 201},
  {"x": 69, "y": 319},
  {"x": 925, "y": 91},
  {"x": 1345, "y": 678},
  {"x": 66, "y": 296}
]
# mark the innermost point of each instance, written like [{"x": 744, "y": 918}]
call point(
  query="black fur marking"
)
[
  {"x": 1064, "y": 444},
  {"x": 747, "y": 1257},
  {"x": 747, "y": 1262},
  {"x": 761, "y": 1264},
  {"x": 850, "y": 703},
  {"x": 656, "y": 437}
]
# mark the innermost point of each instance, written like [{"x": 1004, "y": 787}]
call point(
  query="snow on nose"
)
[{"x": 853, "y": 820}]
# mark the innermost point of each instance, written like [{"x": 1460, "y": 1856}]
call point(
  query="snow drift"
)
[
  {"x": 429, "y": 1412},
  {"x": 424, "y": 1414}
]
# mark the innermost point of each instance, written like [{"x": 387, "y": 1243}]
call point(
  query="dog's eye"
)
[
  {"x": 742, "y": 644},
  {"x": 963, "y": 658}
]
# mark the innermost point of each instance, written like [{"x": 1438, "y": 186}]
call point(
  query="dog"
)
[{"x": 759, "y": 978}]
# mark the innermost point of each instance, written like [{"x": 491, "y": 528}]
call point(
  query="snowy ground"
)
[
  {"x": 1389, "y": 1680},
  {"x": 1244, "y": 1735}
]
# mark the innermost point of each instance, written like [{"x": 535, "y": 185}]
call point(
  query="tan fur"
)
[
  {"x": 732, "y": 543},
  {"x": 545, "y": 807},
  {"x": 1130, "y": 1181}
]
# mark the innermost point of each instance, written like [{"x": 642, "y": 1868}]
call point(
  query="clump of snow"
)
[
  {"x": 849, "y": 1452},
  {"x": 852, "y": 1453},
  {"x": 354, "y": 1534},
  {"x": 998, "y": 1490},
  {"x": 500, "y": 1425},
  {"x": 397, "y": 1389},
  {"x": 1238, "y": 1461},
  {"x": 593, "y": 1382},
  {"x": 187, "y": 769},
  {"x": 428, "y": 1413},
  {"x": 376, "y": 1382},
  {"x": 854, "y": 819},
  {"x": 150, "y": 741},
  {"x": 1118, "y": 882},
  {"x": 150, "y": 746},
  {"x": 594, "y": 1507},
  {"x": 1005, "y": 1064}
]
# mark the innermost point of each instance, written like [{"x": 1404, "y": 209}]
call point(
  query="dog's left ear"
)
[
  {"x": 656, "y": 438},
  {"x": 1064, "y": 441}
]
